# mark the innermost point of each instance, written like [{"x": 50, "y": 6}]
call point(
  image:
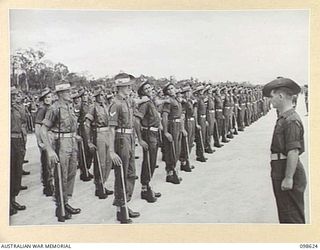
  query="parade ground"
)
[{"x": 233, "y": 186}]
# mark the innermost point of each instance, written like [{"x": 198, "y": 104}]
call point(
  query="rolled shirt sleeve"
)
[{"x": 293, "y": 138}]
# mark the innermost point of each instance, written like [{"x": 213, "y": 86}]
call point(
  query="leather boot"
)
[
  {"x": 123, "y": 216},
  {"x": 148, "y": 195},
  {"x": 61, "y": 218}
]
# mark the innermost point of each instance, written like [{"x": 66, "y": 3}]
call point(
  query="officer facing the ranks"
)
[
  {"x": 121, "y": 122},
  {"x": 147, "y": 124},
  {"x": 17, "y": 153},
  {"x": 287, "y": 172},
  {"x": 98, "y": 136},
  {"x": 46, "y": 168},
  {"x": 172, "y": 129},
  {"x": 60, "y": 119}
]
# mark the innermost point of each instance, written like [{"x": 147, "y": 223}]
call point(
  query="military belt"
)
[
  {"x": 103, "y": 129},
  {"x": 278, "y": 156},
  {"x": 219, "y": 110},
  {"x": 65, "y": 135},
  {"x": 175, "y": 120},
  {"x": 212, "y": 111},
  {"x": 191, "y": 119},
  {"x": 124, "y": 130},
  {"x": 16, "y": 135},
  {"x": 151, "y": 129},
  {"x": 202, "y": 116}
]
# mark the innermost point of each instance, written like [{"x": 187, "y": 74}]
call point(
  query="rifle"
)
[
  {"x": 201, "y": 139},
  {"x": 84, "y": 158},
  {"x": 187, "y": 147},
  {"x": 59, "y": 172},
  {"x": 95, "y": 130}
]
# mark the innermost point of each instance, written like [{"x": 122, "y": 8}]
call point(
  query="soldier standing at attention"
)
[
  {"x": 85, "y": 175},
  {"x": 17, "y": 151},
  {"x": 219, "y": 103},
  {"x": 188, "y": 107},
  {"x": 210, "y": 118},
  {"x": 122, "y": 146},
  {"x": 201, "y": 123},
  {"x": 287, "y": 172},
  {"x": 46, "y": 169},
  {"x": 172, "y": 131},
  {"x": 61, "y": 120},
  {"x": 98, "y": 135},
  {"x": 242, "y": 109},
  {"x": 147, "y": 128}
]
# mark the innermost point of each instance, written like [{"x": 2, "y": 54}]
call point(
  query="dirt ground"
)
[{"x": 233, "y": 186}]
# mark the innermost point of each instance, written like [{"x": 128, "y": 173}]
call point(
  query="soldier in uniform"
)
[
  {"x": 235, "y": 113},
  {"x": 17, "y": 153},
  {"x": 228, "y": 112},
  {"x": 46, "y": 169},
  {"x": 147, "y": 125},
  {"x": 85, "y": 161},
  {"x": 210, "y": 118},
  {"x": 201, "y": 123},
  {"x": 242, "y": 109},
  {"x": 121, "y": 122},
  {"x": 97, "y": 133},
  {"x": 61, "y": 120},
  {"x": 287, "y": 172},
  {"x": 219, "y": 103},
  {"x": 172, "y": 131},
  {"x": 188, "y": 107},
  {"x": 213, "y": 130}
]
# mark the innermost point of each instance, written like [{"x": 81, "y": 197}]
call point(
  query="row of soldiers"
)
[{"x": 74, "y": 132}]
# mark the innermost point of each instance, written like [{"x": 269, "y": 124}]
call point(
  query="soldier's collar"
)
[{"x": 287, "y": 113}]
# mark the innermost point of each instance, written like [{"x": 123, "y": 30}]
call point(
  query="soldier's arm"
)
[
  {"x": 114, "y": 157},
  {"x": 184, "y": 131},
  {"x": 53, "y": 157},
  {"x": 37, "y": 129},
  {"x": 113, "y": 122},
  {"x": 165, "y": 126}
]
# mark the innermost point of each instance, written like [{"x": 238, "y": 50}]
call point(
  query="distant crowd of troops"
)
[{"x": 78, "y": 128}]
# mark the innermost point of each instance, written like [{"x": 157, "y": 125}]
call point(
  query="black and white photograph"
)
[{"x": 159, "y": 117}]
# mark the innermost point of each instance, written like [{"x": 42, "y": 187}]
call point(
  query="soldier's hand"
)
[
  {"x": 169, "y": 137},
  {"x": 41, "y": 145},
  {"x": 207, "y": 123},
  {"x": 143, "y": 144},
  {"x": 184, "y": 133},
  {"x": 116, "y": 160},
  {"x": 78, "y": 138},
  {"x": 286, "y": 184},
  {"x": 53, "y": 157},
  {"x": 198, "y": 126},
  {"x": 92, "y": 147}
]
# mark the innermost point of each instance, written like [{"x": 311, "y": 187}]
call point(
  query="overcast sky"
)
[{"x": 255, "y": 46}]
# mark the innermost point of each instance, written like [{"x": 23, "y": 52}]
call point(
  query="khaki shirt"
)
[{"x": 68, "y": 119}]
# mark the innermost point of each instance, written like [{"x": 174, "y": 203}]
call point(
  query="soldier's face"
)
[
  {"x": 126, "y": 90},
  {"x": 99, "y": 98},
  {"x": 275, "y": 99},
  {"x": 48, "y": 99},
  {"x": 65, "y": 95},
  {"x": 171, "y": 90},
  {"x": 147, "y": 90},
  {"x": 85, "y": 97},
  {"x": 16, "y": 98}
]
